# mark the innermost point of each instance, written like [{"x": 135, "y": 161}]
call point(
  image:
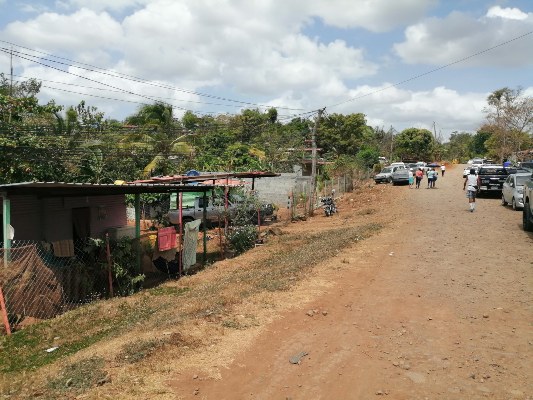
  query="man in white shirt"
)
[
  {"x": 470, "y": 185},
  {"x": 442, "y": 169}
]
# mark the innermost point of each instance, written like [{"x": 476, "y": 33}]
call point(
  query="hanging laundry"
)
[{"x": 190, "y": 242}]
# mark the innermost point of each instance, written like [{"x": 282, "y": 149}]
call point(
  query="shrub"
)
[{"x": 242, "y": 238}]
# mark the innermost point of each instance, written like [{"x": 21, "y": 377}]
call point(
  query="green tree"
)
[
  {"x": 459, "y": 146},
  {"x": 367, "y": 157},
  {"x": 509, "y": 119},
  {"x": 414, "y": 144},
  {"x": 158, "y": 134},
  {"x": 478, "y": 147},
  {"x": 343, "y": 134}
]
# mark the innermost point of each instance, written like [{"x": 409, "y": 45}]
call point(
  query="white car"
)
[
  {"x": 466, "y": 171},
  {"x": 513, "y": 190},
  {"x": 397, "y": 164}
]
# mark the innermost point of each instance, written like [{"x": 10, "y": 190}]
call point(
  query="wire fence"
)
[
  {"x": 40, "y": 280},
  {"x": 301, "y": 204}
]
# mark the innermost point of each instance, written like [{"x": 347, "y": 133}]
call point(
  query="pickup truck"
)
[
  {"x": 490, "y": 178},
  {"x": 527, "y": 212},
  {"x": 215, "y": 211}
]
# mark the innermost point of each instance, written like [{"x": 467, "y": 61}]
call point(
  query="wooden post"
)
[
  {"x": 180, "y": 236},
  {"x": 138, "y": 229},
  {"x": 204, "y": 220},
  {"x": 109, "y": 266},
  {"x": 4, "y": 312}
]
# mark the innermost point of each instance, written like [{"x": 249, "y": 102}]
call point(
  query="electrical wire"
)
[
  {"x": 129, "y": 77},
  {"x": 433, "y": 70}
]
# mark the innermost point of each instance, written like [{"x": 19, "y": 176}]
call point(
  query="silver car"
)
[
  {"x": 386, "y": 173},
  {"x": 513, "y": 190}
]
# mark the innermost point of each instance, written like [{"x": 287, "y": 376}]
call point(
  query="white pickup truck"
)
[{"x": 527, "y": 212}]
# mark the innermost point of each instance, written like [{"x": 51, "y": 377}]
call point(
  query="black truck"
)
[{"x": 490, "y": 178}]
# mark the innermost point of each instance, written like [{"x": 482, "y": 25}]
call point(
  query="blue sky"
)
[{"x": 218, "y": 56}]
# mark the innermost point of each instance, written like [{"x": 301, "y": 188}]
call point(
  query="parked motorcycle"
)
[{"x": 329, "y": 206}]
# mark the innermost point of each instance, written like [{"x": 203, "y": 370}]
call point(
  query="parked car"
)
[
  {"x": 513, "y": 190},
  {"x": 466, "y": 171},
  {"x": 490, "y": 178},
  {"x": 400, "y": 175},
  {"x": 527, "y": 212},
  {"x": 398, "y": 164},
  {"x": 412, "y": 167},
  {"x": 527, "y": 165},
  {"x": 386, "y": 174}
]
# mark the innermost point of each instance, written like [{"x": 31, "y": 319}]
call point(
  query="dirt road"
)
[{"x": 435, "y": 306}]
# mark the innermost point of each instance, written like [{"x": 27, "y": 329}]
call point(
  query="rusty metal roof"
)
[
  {"x": 207, "y": 177},
  {"x": 62, "y": 189}
]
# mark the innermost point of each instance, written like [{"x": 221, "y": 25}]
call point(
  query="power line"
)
[
  {"x": 115, "y": 74},
  {"x": 433, "y": 70}
]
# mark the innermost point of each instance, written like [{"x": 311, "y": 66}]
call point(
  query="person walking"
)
[
  {"x": 435, "y": 175},
  {"x": 442, "y": 169},
  {"x": 419, "y": 176},
  {"x": 470, "y": 185},
  {"x": 430, "y": 175},
  {"x": 411, "y": 179}
]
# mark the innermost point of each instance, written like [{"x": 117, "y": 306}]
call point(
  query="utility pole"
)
[
  {"x": 313, "y": 161},
  {"x": 11, "y": 83},
  {"x": 11, "y": 69},
  {"x": 391, "y": 142}
]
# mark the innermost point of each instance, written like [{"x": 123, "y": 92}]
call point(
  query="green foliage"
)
[
  {"x": 367, "y": 157},
  {"x": 158, "y": 115},
  {"x": 509, "y": 119},
  {"x": 459, "y": 146},
  {"x": 29, "y": 157},
  {"x": 242, "y": 238},
  {"x": 343, "y": 134},
  {"x": 126, "y": 280},
  {"x": 241, "y": 157},
  {"x": 415, "y": 144},
  {"x": 478, "y": 147}
]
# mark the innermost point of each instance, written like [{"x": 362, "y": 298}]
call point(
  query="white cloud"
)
[
  {"x": 257, "y": 51},
  {"x": 440, "y": 41},
  {"x": 508, "y": 13},
  {"x": 374, "y": 15},
  {"x": 386, "y": 105},
  {"x": 81, "y": 32}
]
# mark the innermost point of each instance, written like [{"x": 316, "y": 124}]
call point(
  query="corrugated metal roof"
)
[
  {"x": 207, "y": 177},
  {"x": 54, "y": 189}
]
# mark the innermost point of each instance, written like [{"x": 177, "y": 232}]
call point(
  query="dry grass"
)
[{"x": 133, "y": 336}]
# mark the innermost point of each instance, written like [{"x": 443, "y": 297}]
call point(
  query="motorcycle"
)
[{"x": 329, "y": 206}]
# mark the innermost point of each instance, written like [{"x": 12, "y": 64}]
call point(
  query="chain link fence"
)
[{"x": 41, "y": 280}]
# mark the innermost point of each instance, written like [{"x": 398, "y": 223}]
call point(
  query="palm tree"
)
[{"x": 157, "y": 133}]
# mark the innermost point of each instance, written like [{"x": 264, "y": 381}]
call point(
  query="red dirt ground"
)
[{"x": 435, "y": 306}]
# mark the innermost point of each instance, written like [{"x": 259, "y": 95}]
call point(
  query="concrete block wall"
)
[{"x": 277, "y": 189}]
